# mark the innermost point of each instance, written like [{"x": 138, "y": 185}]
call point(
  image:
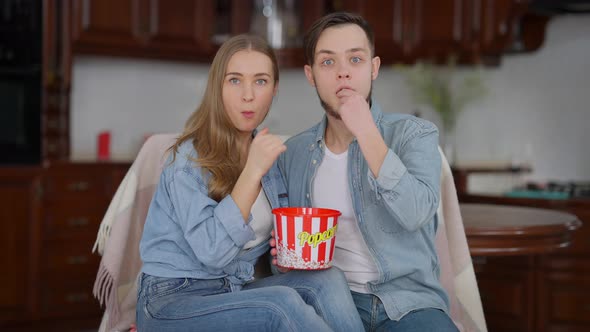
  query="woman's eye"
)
[
  {"x": 261, "y": 81},
  {"x": 328, "y": 62},
  {"x": 355, "y": 59},
  {"x": 234, "y": 80}
]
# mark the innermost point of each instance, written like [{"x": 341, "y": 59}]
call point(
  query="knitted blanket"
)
[
  {"x": 456, "y": 269},
  {"x": 120, "y": 232},
  {"x": 121, "y": 229}
]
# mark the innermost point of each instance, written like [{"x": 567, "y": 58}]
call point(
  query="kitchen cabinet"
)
[
  {"x": 74, "y": 201},
  {"x": 564, "y": 284},
  {"x": 191, "y": 30},
  {"x": 50, "y": 219},
  {"x": 496, "y": 23},
  {"x": 540, "y": 293},
  {"x": 406, "y": 30},
  {"x": 20, "y": 210},
  {"x": 179, "y": 29},
  {"x": 109, "y": 23},
  {"x": 187, "y": 30},
  {"x": 409, "y": 30},
  {"x": 564, "y": 298},
  {"x": 507, "y": 290}
]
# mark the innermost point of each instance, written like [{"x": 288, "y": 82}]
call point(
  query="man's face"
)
[{"x": 342, "y": 60}]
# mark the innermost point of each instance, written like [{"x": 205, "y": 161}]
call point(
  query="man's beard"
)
[{"x": 332, "y": 112}]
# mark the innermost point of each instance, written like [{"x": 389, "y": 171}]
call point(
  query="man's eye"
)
[
  {"x": 328, "y": 62},
  {"x": 234, "y": 80},
  {"x": 261, "y": 81},
  {"x": 355, "y": 59}
]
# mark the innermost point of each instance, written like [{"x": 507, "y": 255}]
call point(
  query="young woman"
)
[{"x": 210, "y": 218}]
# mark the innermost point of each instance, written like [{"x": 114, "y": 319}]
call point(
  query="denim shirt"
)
[
  {"x": 396, "y": 211},
  {"x": 187, "y": 234}
]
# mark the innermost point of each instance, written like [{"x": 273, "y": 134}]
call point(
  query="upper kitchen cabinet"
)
[
  {"x": 189, "y": 30},
  {"x": 497, "y": 23},
  {"x": 103, "y": 25},
  {"x": 405, "y": 30},
  {"x": 411, "y": 30},
  {"x": 281, "y": 22},
  {"x": 172, "y": 29}
]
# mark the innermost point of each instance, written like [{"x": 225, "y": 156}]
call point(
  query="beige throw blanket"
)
[
  {"x": 121, "y": 229},
  {"x": 120, "y": 233},
  {"x": 456, "y": 273}
]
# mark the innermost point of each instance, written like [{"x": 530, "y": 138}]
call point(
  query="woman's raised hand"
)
[{"x": 264, "y": 150}]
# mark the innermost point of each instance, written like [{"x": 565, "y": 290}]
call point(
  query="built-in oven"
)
[{"x": 20, "y": 81}]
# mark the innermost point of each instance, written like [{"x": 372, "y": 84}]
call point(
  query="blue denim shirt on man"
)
[
  {"x": 183, "y": 220},
  {"x": 396, "y": 212}
]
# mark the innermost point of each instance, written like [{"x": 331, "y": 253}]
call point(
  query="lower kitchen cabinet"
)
[
  {"x": 564, "y": 282},
  {"x": 50, "y": 218},
  {"x": 564, "y": 300},
  {"x": 19, "y": 210},
  {"x": 540, "y": 293},
  {"x": 506, "y": 287}
]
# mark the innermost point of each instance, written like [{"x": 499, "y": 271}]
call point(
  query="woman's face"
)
[{"x": 248, "y": 89}]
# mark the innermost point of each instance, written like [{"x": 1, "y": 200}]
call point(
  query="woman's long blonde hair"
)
[{"x": 213, "y": 135}]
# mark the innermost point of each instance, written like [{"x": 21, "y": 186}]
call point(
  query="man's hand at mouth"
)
[{"x": 354, "y": 111}]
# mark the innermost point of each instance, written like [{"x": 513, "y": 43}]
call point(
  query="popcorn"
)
[{"x": 290, "y": 258}]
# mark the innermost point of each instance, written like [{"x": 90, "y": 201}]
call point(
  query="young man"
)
[{"x": 382, "y": 171}]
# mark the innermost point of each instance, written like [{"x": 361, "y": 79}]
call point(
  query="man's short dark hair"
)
[{"x": 312, "y": 36}]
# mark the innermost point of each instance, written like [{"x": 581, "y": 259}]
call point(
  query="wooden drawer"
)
[
  {"x": 68, "y": 299},
  {"x": 495, "y": 263},
  {"x": 74, "y": 218},
  {"x": 564, "y": 301},
  {"x": 67, "y": 260},
  {"x": 78, "y": 186},
  {"x": 570, "y": 263}
]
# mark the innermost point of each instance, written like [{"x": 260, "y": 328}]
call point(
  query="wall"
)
[{"x": 536, "y": 109}]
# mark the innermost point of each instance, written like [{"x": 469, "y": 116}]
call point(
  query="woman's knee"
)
[
  {"x": 286, "y": 297},
  {"x": 331, "y": 279}
]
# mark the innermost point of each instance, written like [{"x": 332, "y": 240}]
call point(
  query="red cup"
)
[
  {"x": 104, "y": 145},
  {"x": 305, "y": 237}
]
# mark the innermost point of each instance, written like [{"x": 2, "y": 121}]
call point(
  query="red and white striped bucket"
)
[{"x": 305, "y": 237}]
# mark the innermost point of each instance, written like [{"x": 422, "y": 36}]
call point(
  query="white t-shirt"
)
[
  {"x": 261, "y": 221},
  {"x": 331, "y": 190}
]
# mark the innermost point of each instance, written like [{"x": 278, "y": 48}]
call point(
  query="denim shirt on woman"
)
[
  {"x": 187, "y": 234},
  {"x": 396, "y": 211}
]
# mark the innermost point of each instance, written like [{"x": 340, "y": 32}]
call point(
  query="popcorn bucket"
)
[{"x": 305, "y": 237}]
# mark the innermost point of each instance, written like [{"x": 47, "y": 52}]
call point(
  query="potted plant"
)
[{"x": 439, "y": 88}]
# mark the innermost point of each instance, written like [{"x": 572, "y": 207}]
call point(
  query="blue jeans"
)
[
  {"x": 375, "y": 318},
  {"x": 294, "y": 301}
]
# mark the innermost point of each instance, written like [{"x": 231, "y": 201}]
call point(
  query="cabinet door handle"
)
[
  {"x": 79, "y": 186},
  {"x": 77, "y": 260},
  {"x": 85, "y": 14},
  {"x": 503, "y": 28},
  {"x": 154, "y": 19},
  {"x": 76, "y": 297},
  {"x": 78, "y": 222},
  {"x": 52, "y": 124},
  {"x": 51, "y": 147},
  {"x": 479, "y": 260}
]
